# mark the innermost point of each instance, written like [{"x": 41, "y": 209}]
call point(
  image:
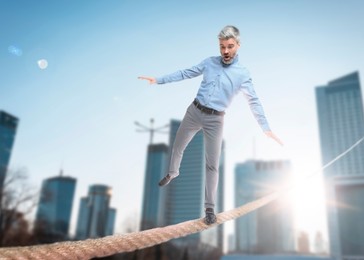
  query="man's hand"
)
[
  {"x": 150, "y": 79},
  {"x": 274, "y": 137}
]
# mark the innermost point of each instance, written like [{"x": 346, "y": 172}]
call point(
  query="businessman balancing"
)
[{"x": 223, "y": 78}]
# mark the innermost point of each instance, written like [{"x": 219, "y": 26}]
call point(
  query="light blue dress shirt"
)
[{"x": 220, "y": 84}]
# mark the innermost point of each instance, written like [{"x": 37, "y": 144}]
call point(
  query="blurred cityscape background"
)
[{"x": 75, "y": 162}]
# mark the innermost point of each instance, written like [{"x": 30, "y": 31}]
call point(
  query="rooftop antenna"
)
[
  {"x": 151, "y": 129},
  {"x": 61, "y": 169}
]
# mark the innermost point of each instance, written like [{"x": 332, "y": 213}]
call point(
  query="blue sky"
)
[{"x": 79, "y": 112}]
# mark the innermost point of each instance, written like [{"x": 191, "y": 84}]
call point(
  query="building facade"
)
[
  {"x": 268, "y": 230},
  {"x": 341, "y": 124},
  {"x": 185, "y": 196},
  {"x": 55, "y": 206},
  {"x": 95, "y": 217},
  {"x": 156, "y": 169},
  {"x": 8, "y": 127},
  {"x": 110, "y": 224}
]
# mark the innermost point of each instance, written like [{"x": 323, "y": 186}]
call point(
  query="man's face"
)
[{"x": 228, "y": 49}]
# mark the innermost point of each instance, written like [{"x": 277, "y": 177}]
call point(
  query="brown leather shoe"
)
[{"x": 166, "y": 180}]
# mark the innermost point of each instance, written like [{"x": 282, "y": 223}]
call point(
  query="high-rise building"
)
[
  {"x": 319, "y": 243},
  {"x": 156, "y": 169},
  {"x": 55, "y": 206},
  {"x": 185, "y": 196},
  {"x": 110, "y": 223},
  {"x": 341, "y": 124},
  {"x": 82, "y": 229},
  {"x": 95, "y": 217},
  {"x": 303, "y": 243},
  {"x": 8, "y": 127},
  {"x": 269, "y": 229}
]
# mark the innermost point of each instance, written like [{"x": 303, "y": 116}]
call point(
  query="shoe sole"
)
[
  {"x": 165, "y": 184},
  {"x": 161, "y": 184},
  {"x": 210, "y": 222}
]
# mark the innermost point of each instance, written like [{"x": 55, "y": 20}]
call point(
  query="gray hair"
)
[{"x": 229, "y": 32}]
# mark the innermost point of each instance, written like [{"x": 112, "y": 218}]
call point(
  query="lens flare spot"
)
[
  {"x": 14, "y": 50},
  {"x": 42, "y": 64}
]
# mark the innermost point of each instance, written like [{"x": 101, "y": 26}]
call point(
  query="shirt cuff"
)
[
  {"x": 265, "y": 127},
  {"x": 160, "y": 80}
]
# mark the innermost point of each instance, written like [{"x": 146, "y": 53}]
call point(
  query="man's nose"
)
[{"x": 226, "y": 51}]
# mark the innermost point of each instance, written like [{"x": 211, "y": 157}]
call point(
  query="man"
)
[{"x": 223, "y": 78}]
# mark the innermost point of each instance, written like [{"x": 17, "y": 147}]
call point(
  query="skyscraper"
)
[
  {"x": 341, "y": 124},
  {"x": 269, "y": 229},
  {"x": 185, "y": 196},
  {"x": 8, "y": 127},
  {"x": 110, "y": 223},
  {"x": 55, "y": 206},
  {"x": 303, "y": 243},
  {"x": 95, "y": 217},
  {"x": 156, "y": 168}
]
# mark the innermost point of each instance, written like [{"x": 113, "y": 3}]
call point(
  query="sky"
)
[{"x": 77, "y": 110}]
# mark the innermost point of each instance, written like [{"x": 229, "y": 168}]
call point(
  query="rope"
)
[
  {"x": 110, "y": 245},
  {"x": 338, "y": 157}
]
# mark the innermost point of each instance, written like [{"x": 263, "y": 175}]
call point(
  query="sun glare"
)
[{"x": 309, "y": 203}]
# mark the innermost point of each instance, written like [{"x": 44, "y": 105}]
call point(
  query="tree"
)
[{"x": 17, "y": 200}]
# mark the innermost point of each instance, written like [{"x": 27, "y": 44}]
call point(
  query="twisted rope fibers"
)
[
  {"x": 110, "y": 245},
  {"x": 105, "y": 246}
]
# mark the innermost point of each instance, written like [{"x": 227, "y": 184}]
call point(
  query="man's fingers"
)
[
  {"x": 274, "y": 137},
  {"x": 277, "y": 139},
  {"x": 141, "y": 77},
  {"x": 150, "y": 79}
]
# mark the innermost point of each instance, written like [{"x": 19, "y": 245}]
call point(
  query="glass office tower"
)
[
  {"x": 268, "y": 230},
  {"x": 55, "y": 206},
  {"x": 110, "y": 223},
  {"x": 341, "y": 124},
  {"x": 156, "y": 169},
  {"x": 95, "y": 217},
  {"x": 8, "y": 127}
]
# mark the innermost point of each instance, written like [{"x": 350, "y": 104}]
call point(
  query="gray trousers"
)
[{"x": 212, "y": 127}]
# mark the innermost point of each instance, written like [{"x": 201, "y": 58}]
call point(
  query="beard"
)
[{"x": 227, "y": 62}]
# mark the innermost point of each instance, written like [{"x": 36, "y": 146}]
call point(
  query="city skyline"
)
[{"x": 77, "y": 110}]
